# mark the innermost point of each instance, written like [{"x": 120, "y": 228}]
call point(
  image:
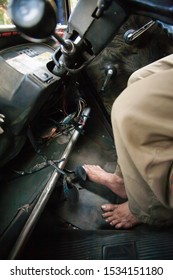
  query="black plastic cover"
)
[{"x": 98, "y": 31}]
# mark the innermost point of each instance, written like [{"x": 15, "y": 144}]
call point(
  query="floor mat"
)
[{"x": 142, "y": 243}]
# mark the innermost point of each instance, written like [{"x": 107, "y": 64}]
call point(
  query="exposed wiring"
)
[
  {"x": 63, "y": 127},
  {"x": 68, "y": 124}
]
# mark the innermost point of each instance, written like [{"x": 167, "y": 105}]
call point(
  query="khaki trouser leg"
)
[
  {"x": 162, "y": 64},
  {"x": 142, "y": 121}
]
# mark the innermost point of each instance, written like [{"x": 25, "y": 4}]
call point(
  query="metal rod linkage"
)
[{"x": 48, "y": 189}]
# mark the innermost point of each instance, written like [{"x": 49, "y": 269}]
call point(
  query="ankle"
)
[
  {"x": 119, "y": 180},
  {"x": 114, "y": 180}
]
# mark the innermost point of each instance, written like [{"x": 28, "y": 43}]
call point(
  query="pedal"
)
[{"x": 80, "y": 173}]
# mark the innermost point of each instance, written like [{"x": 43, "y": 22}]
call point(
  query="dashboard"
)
[
  {"x": 30, "y": 59},
  {"x": 26, "y": 82}
]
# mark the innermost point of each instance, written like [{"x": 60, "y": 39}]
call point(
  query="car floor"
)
[{"x": 73, "y": 229}]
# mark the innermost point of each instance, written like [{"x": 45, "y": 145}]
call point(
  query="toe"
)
[
  {"x": 118, "y": 225},
  {"x": 111, "y": 220},
  {"x": 114, "y": 222},
  {"x": 108, "y": 217},
  {"x": 108, "y": 207}
]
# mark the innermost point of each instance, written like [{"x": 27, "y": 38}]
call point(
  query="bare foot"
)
[
  {"x": 119, "y": 216},
  {"x": 96, "y": 174}
]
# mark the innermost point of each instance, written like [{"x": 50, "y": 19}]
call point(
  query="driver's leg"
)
[
  {"x": 162, "y": 64},
  {"x": 137, "y": 109},
  {"x": 143, "y": 130}
]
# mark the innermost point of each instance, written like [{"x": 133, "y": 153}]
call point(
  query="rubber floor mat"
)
[{"x": 140, "y": 243}]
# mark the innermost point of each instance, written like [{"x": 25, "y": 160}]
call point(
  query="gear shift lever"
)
[{"x": 30, "y": 17}]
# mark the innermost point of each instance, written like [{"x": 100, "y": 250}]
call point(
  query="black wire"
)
[{"x": 48, "y": 163}]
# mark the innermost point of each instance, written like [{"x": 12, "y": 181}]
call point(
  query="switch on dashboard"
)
[{"x": 43, "y": 76}]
